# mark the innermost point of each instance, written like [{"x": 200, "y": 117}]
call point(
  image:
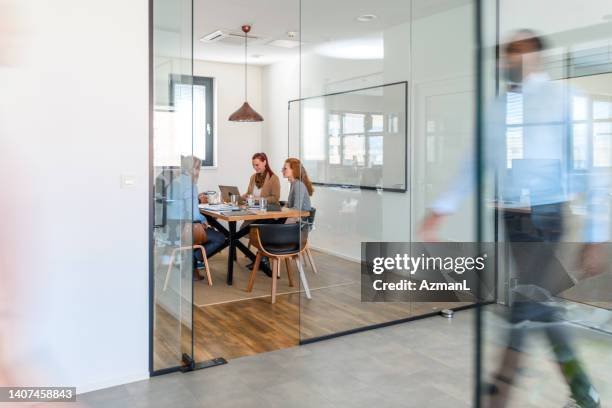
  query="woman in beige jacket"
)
[{"x": 264, "y": 183}]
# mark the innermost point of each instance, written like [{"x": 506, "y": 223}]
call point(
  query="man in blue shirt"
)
[
  {"x": 184, "y": 202},
  {"x": 531, "y": 191}
]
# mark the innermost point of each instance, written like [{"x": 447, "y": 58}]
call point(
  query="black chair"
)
[{"x": 279, "y": 242}]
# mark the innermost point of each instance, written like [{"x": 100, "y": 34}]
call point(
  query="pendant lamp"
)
[{"x": 245, "y": 113}]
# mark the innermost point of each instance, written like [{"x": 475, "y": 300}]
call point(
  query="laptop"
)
[{"x": 226, "y": 191}]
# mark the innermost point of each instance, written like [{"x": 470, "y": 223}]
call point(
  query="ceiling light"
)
[
  {"x": 284, "y": 43},
  {"x": 245, "y": 113},
  {"x": 291, "y": 34},
  {"x": 364, "y": 18},
  {"x": 371, "y": 47}
]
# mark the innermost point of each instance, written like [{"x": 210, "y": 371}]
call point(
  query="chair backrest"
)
[
  {"x": 281, "y": 235},
  {"x": 308, "y": 222}
]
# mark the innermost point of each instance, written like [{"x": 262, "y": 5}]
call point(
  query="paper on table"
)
[{"x": 217, "y": 207}]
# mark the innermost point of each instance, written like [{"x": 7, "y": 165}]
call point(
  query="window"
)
[
  {"x": 592, "y": 131},
  {"x": 356, "y": 138},
  {"x": 514, "y": 127},
  {"x": 591, "y": 126},
  {"x": 202, "y": 131}
]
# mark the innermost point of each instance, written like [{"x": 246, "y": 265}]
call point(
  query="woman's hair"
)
[
  {"x": 262, "y": 157},
  {"x": 299, "y": 173},
  {"x": 190, "y": 163}
]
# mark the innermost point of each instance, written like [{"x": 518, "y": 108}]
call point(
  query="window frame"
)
[{"x": 208, "y": 159}]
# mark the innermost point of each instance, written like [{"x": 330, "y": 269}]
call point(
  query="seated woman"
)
[
  {"x": 184, "y": 206},
  {"x": 264, "y": 183},
  {"x": 301, "y": 188}
]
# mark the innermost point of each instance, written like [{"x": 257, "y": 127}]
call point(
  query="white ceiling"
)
[{"x": 328, "y": 24}]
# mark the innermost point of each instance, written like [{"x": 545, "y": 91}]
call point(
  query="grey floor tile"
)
[{"x": 415, "y": 364}]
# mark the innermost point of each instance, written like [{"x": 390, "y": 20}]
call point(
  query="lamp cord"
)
[{"x": 245, "y": 66}]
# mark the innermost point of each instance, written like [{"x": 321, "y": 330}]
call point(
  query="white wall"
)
[
  {"x": 236, "y": 142},
  {"x": 74, "y": 261},
  {"x": 280, "y": 84}
]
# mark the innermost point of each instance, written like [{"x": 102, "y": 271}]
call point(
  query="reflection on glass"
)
[
  {"x": 602, "y": 110},
  {"x": 375, "y": 151},
  {"x": 353, "y": 123},
  {"x": 602, "y": 146},
  {"x": 353, "y": 153},
  {"x": 514, "y": 143},
  {"x": 377, "y": 123},
  {"x": 355, "y": 138},
  {"x": 314, "y": 130},
  {"x": 545, "y": 343},
  {"x": 580, "y": 146},
  {"x": 580, "y": 108}
]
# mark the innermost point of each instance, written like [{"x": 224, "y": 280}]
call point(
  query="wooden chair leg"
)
[
  {"x": 254, "y": 272},
  {"x": 208, "y": 275},
  {"x": 312, "y": 264},
  {"x": 170, "y": 265},
  {"x": 289, "y": 273},
  {"x": 275, "y": 272},
  {"x": 303, "y": 277}
]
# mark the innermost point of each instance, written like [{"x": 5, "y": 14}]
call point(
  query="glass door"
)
[
  {"x": 384, "y": 122},
  {"x": 545, "y": 165},
  {"x": 173, "y": 173}
]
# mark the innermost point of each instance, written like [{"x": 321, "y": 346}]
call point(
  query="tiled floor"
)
[{"x": 424, "y": 363}]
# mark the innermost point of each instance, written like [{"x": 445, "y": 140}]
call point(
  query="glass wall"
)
[
  {"x": 384, "y": 121},
  {"x": 546, "y": 170},
  {"x": 174, "y": 172}
]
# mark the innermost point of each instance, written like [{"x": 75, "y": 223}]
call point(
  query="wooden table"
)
[{"x": 233, "y": 236}]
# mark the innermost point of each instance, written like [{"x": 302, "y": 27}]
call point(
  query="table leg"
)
[{"x": 232, "y": 252}]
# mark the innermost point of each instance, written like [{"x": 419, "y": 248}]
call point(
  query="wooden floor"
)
[{"x": 252, "y": 326}]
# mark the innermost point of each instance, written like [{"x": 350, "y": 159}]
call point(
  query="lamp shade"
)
[{"x": 246, "y": 114}]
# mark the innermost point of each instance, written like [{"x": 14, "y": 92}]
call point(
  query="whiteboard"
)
[{"x": 355, "y": 138}]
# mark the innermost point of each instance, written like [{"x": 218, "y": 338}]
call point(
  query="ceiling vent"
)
[{"x": 226, "y": 37}]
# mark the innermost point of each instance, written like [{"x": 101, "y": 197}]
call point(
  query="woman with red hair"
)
[
  {"x": 301, "y": 187},
  {"x": 264, "y": 183}
]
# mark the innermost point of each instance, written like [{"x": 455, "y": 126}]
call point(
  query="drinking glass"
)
[
  {"x": 234, "y": 198},
  {"x": 212, "y": 197},
  {"x": 263, "y": 204},
  {"x": 250, "y": 200}
]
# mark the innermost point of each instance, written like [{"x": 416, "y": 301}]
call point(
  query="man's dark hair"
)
[{"x": 532, "y": 43}]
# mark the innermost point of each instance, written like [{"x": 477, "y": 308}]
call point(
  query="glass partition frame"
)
[{"x": 172, "y": 194}]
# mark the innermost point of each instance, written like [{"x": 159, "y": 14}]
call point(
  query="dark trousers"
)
[
  {"x": 534, "y": 238},
  {"x": 214, "y": 241}
]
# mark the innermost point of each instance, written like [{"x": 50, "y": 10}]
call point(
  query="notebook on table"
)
[{"x": 237, "y": 212}]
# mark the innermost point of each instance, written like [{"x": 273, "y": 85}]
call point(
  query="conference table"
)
[{"x": 233, "y": 237}]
